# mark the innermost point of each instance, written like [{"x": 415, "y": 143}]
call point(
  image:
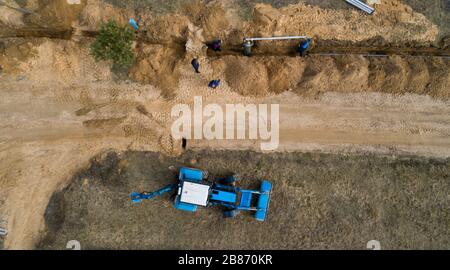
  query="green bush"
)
[{"x": 114, "y": 42}]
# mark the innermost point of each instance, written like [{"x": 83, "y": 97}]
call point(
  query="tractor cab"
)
[{"x": 191, "y": 191}]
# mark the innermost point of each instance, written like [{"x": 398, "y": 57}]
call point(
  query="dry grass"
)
[{"x": 319, "y": 201}]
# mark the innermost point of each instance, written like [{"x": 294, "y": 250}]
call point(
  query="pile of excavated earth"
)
[{"x": 168, "y": 41}]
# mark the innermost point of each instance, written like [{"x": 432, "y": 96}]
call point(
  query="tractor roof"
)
[{"x": 194, "y": 193}]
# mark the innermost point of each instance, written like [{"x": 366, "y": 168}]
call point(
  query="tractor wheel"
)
[
  {"x": 173, "y": 196},
  {"x": 230, "y": 213},
  {"x": 205, "y": 175},
  {"x": 230, "y": 180}
]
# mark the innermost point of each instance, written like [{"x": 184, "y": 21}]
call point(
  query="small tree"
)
[{"x": 114, "y": 42}]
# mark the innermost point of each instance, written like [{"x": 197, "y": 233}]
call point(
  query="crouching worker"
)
[
  {"x": 214, "y": 84},
  {"x": 216, "y": 45},
  {"x": 304, "y": 47}
]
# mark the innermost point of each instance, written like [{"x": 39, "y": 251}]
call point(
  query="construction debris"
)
[
  {"x": 134, "y": 24},
  {"x": 364, "y": 7}
]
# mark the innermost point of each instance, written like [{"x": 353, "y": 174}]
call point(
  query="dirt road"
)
[{"x": 370, "y": 121}]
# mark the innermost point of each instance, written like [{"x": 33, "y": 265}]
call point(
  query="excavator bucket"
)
[
  {"x": 136, "y": 197},
  {"x": 263, "y": 200}
]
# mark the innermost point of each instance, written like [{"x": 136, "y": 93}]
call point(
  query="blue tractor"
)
[{"x": 192, "y": 190}]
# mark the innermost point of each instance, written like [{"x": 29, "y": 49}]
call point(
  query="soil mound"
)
[
  {"x": 167, "y": 29},
  {"x": 390, "y": 21},
  {"x": 246, "y": 76},
  {"x": 157, "y": 65},
  {"x": 214, "y": 22},
  {"x": 259, "y": 76},
  {"x": 45, "y": 60},
  {"x": 97, "y": 12},
  {"x": 10, "y": 16},
  {"x": 388, "y": 76},
  {"x": 284, "y": 73},
  {"x": 51, "y": 13}
]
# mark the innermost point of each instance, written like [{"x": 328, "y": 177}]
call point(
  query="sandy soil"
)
[
  {"x": 317, "y": 74},
  {"x": 60, "y": 108}
]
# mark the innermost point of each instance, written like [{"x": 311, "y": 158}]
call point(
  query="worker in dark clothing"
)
[
  {"x": 216, "y": 45},
  {"x": 214, "y": 84},
  {"x": 195, "y": 64},
  {"x": 303, "y": 47}
]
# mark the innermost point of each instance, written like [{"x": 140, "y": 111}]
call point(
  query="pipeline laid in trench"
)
[{"x": 268, "y": 49}]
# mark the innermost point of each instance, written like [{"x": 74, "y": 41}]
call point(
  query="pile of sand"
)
[
  {"x": 353, "y": 73},
  {"x": 53, "y": 14},
  {"x": 215, "y": 22},
  {"x": 390, "y": 76},
  {"x": 318, "y": 74},
  {"x": 157, "y": 65},
  {"x": 246, "y": 76},
  {"x": 439, "y": 82},
  {"x": 218, "y": 19},
  {"x": 14, "y": 53},
  {"x": 45, "y": 60},
  {"x": 396, "y": 75},
  {"x": 10, "y": 17},
  {"x": 166, "y": 39},
  {"x": 283, "y": 73},
  {"x": 342, "y": 74},
  {"x": 396, "y": 22},
  {"x": 96, "y": 11},
  {"x": 393, "y": 21},
  {"x": 166, "y": 29}
]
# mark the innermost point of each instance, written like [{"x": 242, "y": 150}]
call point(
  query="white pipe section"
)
[{"x": 276, "y": 38}]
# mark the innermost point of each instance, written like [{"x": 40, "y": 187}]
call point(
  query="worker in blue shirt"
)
[
  {"x": 303, "y": 47},
  {"x": 214, "y": 84}
]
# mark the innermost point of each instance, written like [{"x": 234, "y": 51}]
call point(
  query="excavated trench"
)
[
  {"x": 326, "y": 50},
  {"x": 371, "y": 65},
  {"x": 37, "y": 32},
  {"x": 372, "y": 47}
]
